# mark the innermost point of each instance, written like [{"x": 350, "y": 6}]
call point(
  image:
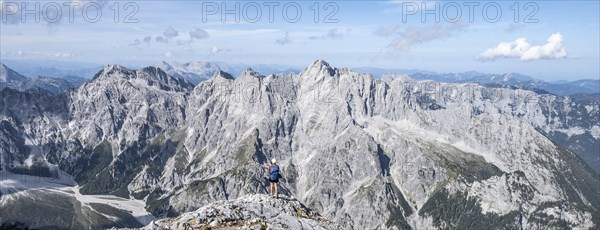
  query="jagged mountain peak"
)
[
  {"x": 195, "y": 72},
  {"x": 200, "y": 64},
  {"x": 151, "y": 75},
  {"x": 396, "y": 77},
  {"x": 318, "y": 68},
  {"x": 256, "y": 211},
  {"x": 3, "y": 67},
  {"x": 9, "y": 75},
  {"x": 250, "y": 74},
  {"x": 164, "y": 65},
  {"x": 115, "y": 67},
  {"x": 518, "y": 77},
  {"x": 320, "y": 62},
  {"x": 112, "y": 70},
  {"x": 220, "y": 74},
  {"x": 155, "y": 71}
]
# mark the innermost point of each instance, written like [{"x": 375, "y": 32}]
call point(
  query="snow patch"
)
[
  {"x": 574, "y": 131},
  {"x": 595, "y": 131},
  {"x": 590, "y": 108}
]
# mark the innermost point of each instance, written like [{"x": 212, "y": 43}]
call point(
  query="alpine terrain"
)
[
  {"x": 44, "y": 85},
  {"x": 134, "y": 148}
]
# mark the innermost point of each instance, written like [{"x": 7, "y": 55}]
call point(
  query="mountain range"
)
[
  {"x": 133, "y": 146},
  {"x": 515, "y": 80},
  {"x": 44, "y": 85},
  {"x": 198, "y": 71}
]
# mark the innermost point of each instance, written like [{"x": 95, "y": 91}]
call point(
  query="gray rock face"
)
[
  {"x": 194, "y": 72},
  {"x": 249, "y": 212},
  {"x": 9, "y": 75},
  {"x": 9, "y": 78},
  {"x": 365, "y": 153},
  {"x": 40, "y": 85}
]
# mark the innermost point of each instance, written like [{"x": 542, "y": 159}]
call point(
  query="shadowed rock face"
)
[
  {"x": 249, "y": 212},
  {"x": 364, "y": 153}
]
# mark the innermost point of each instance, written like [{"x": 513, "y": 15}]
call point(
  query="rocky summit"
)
[
  {"x": 248, "y": 212},
  {"x": 365, "y": 153}
]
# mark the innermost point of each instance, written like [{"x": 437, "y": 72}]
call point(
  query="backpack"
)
[{"x": 274, "y": 173}]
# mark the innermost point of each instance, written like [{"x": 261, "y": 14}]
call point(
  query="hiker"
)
[{"x": 274, "y": 176}]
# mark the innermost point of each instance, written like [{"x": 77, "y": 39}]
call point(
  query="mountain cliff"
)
[{"x": 364, "y": 153}]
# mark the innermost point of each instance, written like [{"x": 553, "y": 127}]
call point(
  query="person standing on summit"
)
[{"x": 274, "y": 176}]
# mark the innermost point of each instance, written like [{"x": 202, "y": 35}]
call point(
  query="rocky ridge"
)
[
  {"x": 363, "y": 152},
  {"x": 248, "y": 212}
]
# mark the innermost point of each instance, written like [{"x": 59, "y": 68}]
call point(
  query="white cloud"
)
[
  {"x": 284, "y": 40},
  {"x": 332, "y": 33},
  {"x": 216, "y": 50},
  {"x": 168, "y": 55},
  {"x": 62, "y": 55},
  {"x": 198, "y": 33},
  {"x": 513, "y": 27},
  {"x": 167, "y": 35},
  {"x": 521, "y": 49},
  {"x": 387, "y": 31},
  {"x": 54, "y": 55},
  {"x": 170, "y": 33},
  {"x": 136, "y": 42},
  {"x": 239, "y": 33},
  {"x": 404, "y": 40},
  {"x": 161, "y": 39}
]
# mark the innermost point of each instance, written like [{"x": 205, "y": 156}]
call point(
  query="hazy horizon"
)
[
  {"x": 32, "y": 64},
  {"x": 556, "y": 40}
]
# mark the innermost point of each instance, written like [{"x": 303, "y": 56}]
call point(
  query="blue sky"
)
[{"x": 559, "y": 41}]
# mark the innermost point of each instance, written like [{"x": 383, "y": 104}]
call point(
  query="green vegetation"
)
[
  {"x": 113, "y": 179},
  {"x": 398, "y": 207},
  {"x": 543, "y": 220},
  {"x": 93, "y": 161},
  {"x": 575, "y": 176},
  {"x": 457, "y": 211},
  {"x": 525, "y": 191},
  {"x": 246, "y": 150},
  {"x": 396, "y": 218},
  {"x": 159, "y": 207}
]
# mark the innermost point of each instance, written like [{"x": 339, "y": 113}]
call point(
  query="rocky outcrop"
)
[{"x": 248, "y": 212}]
